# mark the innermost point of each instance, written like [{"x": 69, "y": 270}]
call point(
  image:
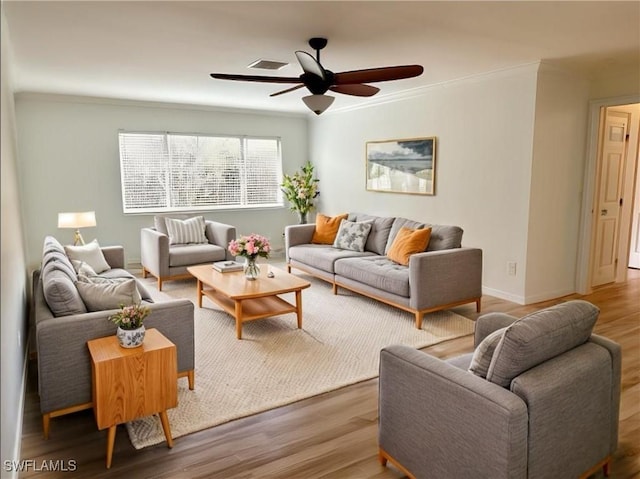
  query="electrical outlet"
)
[{"x": 512, "y": 268}]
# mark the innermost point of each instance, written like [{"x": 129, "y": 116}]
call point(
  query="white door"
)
[
  {"x": 634, "y": 249},
  {"x": 609, "y": 192}
]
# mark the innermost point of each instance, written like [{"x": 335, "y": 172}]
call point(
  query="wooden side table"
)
[{"x": 132, "y": 383}]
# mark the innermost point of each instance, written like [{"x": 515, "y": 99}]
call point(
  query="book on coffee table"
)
[{"x": 228, "y": 266}]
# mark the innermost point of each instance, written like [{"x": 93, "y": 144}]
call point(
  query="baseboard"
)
[
  {"x": 134, "y": 265},
  {"x": 537, "y": 298},
  {"x": 496, "y": 293},
  {"x": 15, "y": 461}
]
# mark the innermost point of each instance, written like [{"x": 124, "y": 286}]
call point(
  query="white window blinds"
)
[{"x": 173, "y": 172}]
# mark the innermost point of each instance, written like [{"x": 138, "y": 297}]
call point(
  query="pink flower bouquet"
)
[{"x": 250, "y": 246}]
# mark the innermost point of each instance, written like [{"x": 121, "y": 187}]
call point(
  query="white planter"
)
[{"x": 130, "y": 338}]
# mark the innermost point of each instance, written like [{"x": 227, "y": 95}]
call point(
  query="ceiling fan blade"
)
[
  {"x": 256, "y": 78},
  {"x": 355, "y": 90},
  {"x": 287, "y": 90},
  {"x": 310, "y": 65},
  {"x": 377, "y": 74}
]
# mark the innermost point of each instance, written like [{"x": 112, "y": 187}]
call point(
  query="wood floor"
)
[{"x": 328, "y": 436}]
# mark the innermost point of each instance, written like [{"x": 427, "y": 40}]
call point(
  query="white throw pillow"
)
[
  {"x": 91, "y": 254},
  {"x": 186, "y": 231},
  {"x": 352, "y": 235}
]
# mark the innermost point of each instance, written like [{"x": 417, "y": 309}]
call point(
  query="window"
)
[{"x": 174, "y": 172}]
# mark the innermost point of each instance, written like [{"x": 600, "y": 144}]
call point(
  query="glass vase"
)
[
  {"x": 251, "y": 269},
  {"x": 303, "y": 217}
]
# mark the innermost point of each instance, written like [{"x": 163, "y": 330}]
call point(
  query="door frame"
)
[{"x": 583, "y": 269}]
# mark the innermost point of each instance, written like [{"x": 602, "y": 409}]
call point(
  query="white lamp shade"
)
[
  {"x": 84, "y": 219},
  {"x": 318, "y": 103}
]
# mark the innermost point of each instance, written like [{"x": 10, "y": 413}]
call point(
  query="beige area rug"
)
[{"x": 276, "y": 364}]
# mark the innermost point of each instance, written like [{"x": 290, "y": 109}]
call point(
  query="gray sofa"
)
[
  {"x": 63, "y": 325},
  {"x": 443, "y": 276},
  {"x": 538, "y": 398},
  {"x": 168, "y": 261}
]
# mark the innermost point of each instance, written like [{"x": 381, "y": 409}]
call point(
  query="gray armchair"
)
[
  {"x": 168, "y": 261},
  {"x": 538, "y": 398}
]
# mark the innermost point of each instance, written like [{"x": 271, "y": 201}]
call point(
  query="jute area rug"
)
[{"x": 276, "y": 364}]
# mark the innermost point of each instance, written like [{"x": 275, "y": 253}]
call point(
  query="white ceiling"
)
[{"x": 164, "y": 51}]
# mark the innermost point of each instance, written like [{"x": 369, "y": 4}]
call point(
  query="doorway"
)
[
  {"x": 610, "y": 188},
  {"x": 613, "y": 200}
]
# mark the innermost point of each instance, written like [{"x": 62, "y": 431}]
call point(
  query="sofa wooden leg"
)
[
  {"x": 288, "y": 268},
  {"x": 334, "y": 288},
  {"x": 144, "y": 272},
  {"x": 419, "y": 317},
  {"x": 190, "y": 375},
  {"x": 46, "y": 418},
  {"x": 382, "y": 458},
  {"x": 159, "y": 284},
  {"x": 46, "y": 421},
  {"x": 604, "y": 465}
]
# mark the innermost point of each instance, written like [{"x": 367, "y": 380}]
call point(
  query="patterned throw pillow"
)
[
  {"x": 186, "y": 231},
  {"x": 352, "y": 235}
]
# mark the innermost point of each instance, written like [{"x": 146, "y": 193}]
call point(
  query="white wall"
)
[
  {"x": 69, "y": 161},
  {"x": 14, "y": 272},
  {"x": 484, "y": 127},
  {"x": 556, "y": 184}
]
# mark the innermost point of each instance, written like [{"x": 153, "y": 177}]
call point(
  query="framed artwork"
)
[{"x": 402, "y": 166}]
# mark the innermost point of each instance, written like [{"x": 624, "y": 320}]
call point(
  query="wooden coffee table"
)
[{"x": 250, "y": 300}]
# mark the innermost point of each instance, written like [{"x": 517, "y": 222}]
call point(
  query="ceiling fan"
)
[{"x": 318, "y": 80}]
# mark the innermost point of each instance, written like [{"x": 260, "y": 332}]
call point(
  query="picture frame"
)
[{"x": 402, "y": 166}]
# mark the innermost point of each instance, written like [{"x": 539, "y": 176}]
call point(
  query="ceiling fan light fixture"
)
[
  {"x": 319, "y": 80},
  {"x": 318, "y": 103}
]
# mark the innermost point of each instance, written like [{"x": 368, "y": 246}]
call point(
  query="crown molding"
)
[
  {"x": 422, "y": 90},
  {"x": 92, "y": 100}
]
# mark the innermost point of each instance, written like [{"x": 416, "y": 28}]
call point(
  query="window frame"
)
[{"x": 244, "y": 160}]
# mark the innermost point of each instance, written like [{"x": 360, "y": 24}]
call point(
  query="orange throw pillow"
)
[
  {"x": 327, "y": 228},
  {"x": 408, "y": 242}
]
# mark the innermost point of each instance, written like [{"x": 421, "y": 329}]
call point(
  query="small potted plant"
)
[
  {"x": 130, "y": 328},
  {"x": 250, "y": 247},
  {"x": 300, "y": 190}
]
